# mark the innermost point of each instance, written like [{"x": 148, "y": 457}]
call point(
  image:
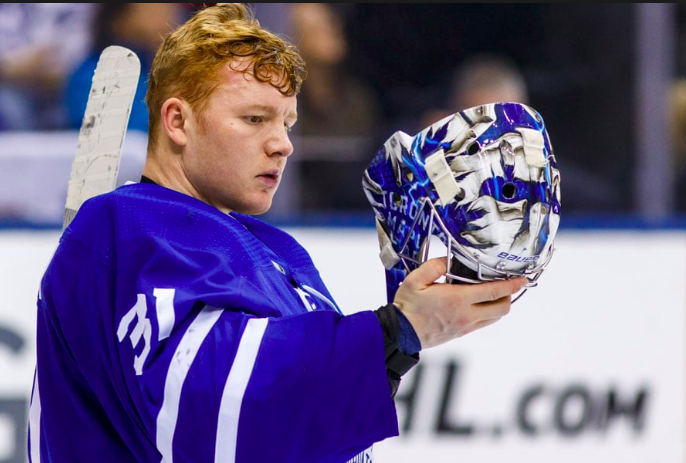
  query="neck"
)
[{"x": 168, "y": 173}]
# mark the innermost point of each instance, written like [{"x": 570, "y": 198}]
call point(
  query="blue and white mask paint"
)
[{"x": 483, "y": 180}]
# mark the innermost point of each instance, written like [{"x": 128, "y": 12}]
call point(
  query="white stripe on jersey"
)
[
  {"x": 164, "y": 305},
  {"x": 234, "y": 389},
  {"x": 34, "y": 421},
  {"x": 322, "y": 297},
  {"x": 176, "y": 375},
  {"x": 366, "y": 456}
]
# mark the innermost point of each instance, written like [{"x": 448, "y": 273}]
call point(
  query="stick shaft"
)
[{"x": 101, "y": 137}]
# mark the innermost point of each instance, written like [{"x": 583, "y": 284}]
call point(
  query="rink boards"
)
[{"x": 589, "y": 366}]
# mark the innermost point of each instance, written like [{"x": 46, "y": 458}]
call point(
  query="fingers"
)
[
  {"x": 427, "y": 273},
  {"x": 494, "y": 290},
  {"x": 492, "y": 309},
  {"x": 431, "y": 270},
  {"x": 441, "y": 312}
]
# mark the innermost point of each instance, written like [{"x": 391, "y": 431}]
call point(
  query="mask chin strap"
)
[{"x": 454, "y": 266}]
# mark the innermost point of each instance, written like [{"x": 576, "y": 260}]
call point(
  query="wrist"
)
[{"x": 397, "y": 362}]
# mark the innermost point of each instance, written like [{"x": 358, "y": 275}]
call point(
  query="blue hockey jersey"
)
[{"x": 170, "y": 331}]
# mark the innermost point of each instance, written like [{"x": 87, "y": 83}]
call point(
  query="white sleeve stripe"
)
[
  {"x": 234, "y": 390},
  {"x": 34, "y": 422},
  {"x": 176, "y": 375},
  {"x": 164, "y": 306}
]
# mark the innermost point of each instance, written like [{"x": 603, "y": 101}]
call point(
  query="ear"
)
[{"x": 174, "y": 117}]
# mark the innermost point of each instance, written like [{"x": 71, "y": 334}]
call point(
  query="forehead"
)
[
  {"x": 241, "y": 70},
  {"x": 236, "y": 79}
]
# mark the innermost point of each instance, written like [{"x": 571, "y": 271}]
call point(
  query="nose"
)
[{"x": 279, "y": 143}]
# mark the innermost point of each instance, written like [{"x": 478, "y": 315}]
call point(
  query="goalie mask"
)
[{"x": 484, "y": 181}]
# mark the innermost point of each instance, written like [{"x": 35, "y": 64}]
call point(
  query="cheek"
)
[
  {"x": 221, "y": 149},
  {"x": 221, "y": 158}
]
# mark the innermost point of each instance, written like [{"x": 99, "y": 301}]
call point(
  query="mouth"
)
[{"x": 270, "y": 177}]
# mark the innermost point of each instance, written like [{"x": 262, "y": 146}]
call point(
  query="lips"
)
[{"x": 270, "y": 177}]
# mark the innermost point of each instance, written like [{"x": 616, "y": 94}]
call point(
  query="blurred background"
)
[
  {"x": 609, "y": 80},
  {"x": 610, "y": 83}
]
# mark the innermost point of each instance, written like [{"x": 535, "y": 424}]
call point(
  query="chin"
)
[
  {"x": 253, "y": 209},
  {"x": 258, "y": 211}
]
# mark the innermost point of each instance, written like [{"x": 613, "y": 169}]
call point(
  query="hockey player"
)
[{"x": 174, "y": 326}]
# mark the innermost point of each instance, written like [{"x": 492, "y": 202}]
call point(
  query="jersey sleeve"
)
[
  {"x": 222, "y": 379},
  {"x": 228, "y": 386},
  {"x": 301, "y": 388}
]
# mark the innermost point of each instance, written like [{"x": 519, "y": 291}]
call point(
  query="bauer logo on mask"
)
[{"x": 483, "y": 180}]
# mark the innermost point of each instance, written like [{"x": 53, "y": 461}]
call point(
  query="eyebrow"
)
[{"x": 270, "y": 110}]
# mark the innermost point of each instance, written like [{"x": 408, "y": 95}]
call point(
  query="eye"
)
[
  {"x": 254, "y": 119},
  {"x": 288, "y": 127}
]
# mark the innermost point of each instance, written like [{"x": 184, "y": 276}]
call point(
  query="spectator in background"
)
[
  {"x": 678, "y": 133},
  {"x": 140, "y": 27},
  {"x": 330, "y": 106},
  {"x": 337, "y": 114},
  {"x": 40, "y": 43},
  {"x": 481, "y": 79}
]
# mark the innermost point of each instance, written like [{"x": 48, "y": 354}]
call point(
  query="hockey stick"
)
[{"x": 101, "y": 137}]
